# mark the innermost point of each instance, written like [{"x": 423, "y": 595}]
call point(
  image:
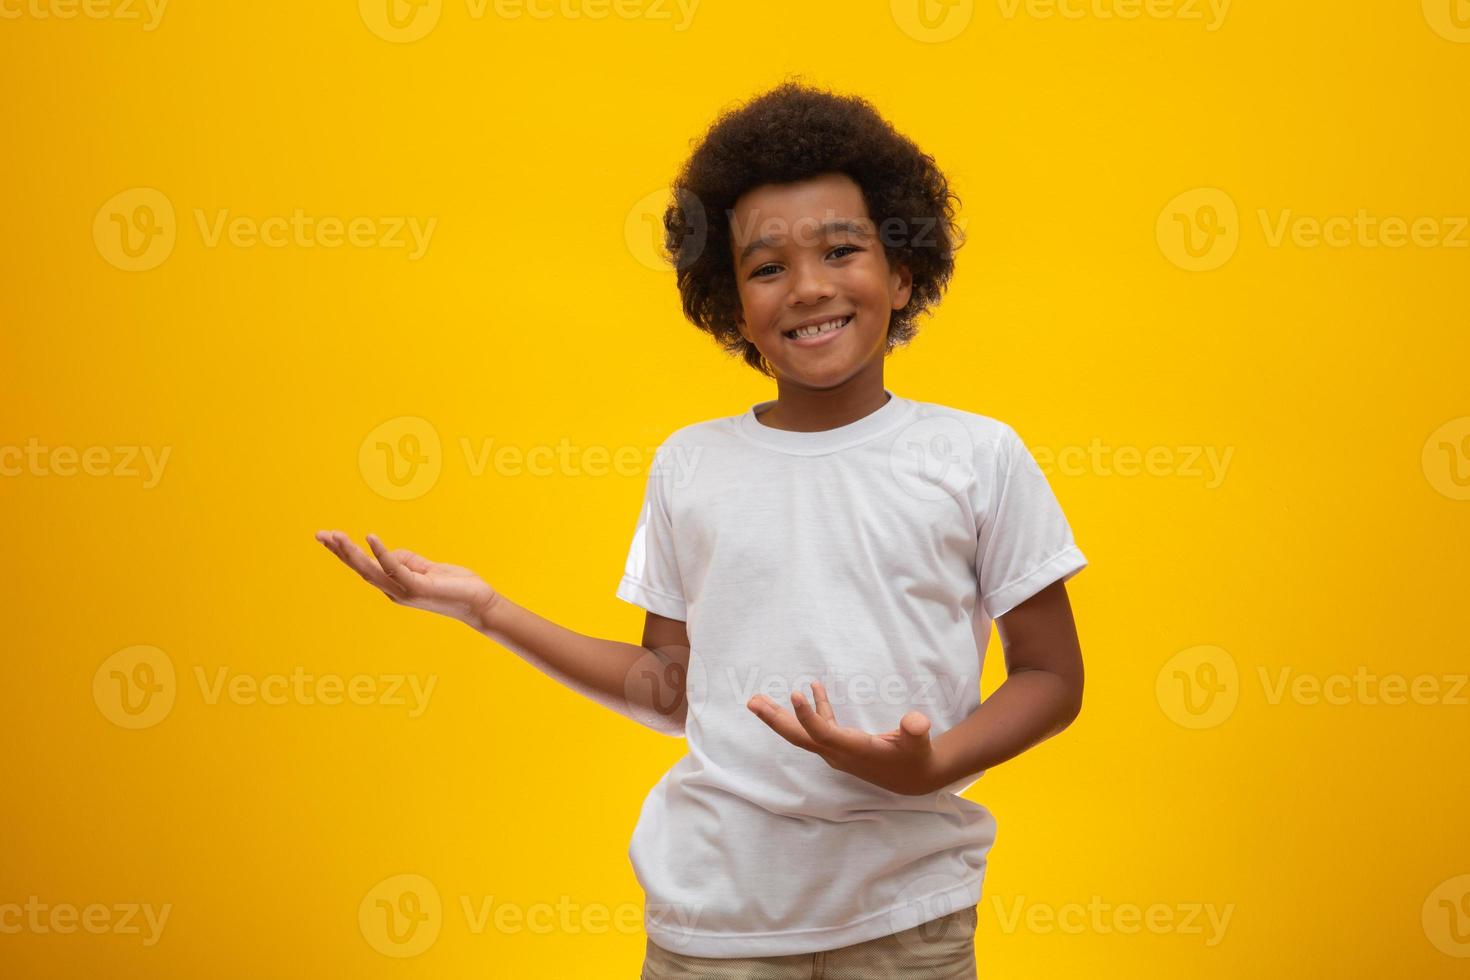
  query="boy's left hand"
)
[{"x": 901, "y": 761}]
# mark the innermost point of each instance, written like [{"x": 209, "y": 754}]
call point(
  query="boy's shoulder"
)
[
  {"x": 976, "y": 423},
  {"x": 987, "y": 440},
  {"x": 693, "y": 434}
]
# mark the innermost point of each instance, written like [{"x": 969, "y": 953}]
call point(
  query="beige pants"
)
[{"x": 940, "y": 949}]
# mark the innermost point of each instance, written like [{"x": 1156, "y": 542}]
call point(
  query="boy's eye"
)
[{"x": 770, "y": 265}]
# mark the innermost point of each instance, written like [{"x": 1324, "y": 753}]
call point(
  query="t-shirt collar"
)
[{"x": 873, "y": 424}]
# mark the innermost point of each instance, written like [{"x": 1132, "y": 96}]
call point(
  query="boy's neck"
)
[{"x": 800, "y": 409}]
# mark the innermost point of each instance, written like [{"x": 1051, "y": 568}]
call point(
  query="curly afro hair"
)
[{"x": 790, "y": 133}]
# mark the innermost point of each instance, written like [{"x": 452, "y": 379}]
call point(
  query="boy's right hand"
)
[{"x": 413, "y": 580}]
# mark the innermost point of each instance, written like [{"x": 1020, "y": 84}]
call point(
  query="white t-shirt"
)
[{"x": 853, "y": 555}]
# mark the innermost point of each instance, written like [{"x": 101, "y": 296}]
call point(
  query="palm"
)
[
  {"x": 412, "y": 580},
  {"x": 901, "y": 759},
  {"x": 887, "y": 743}
]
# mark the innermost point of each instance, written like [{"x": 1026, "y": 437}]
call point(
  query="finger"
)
[
  {"x": 823, "y": 706},
  {"x": 818, "y": 727},
  {"x": 783, "y": 722},
  {"x": 826, "y": 733},
  {"x": 330, "y": 542},
  {"x": 334, "y": 544},
  {"x": 913, "y": 730},
  {"x": 354, "y": 556},
  {"x": 399, "y": 574}
]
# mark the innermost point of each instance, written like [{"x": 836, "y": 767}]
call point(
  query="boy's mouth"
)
[{"x": 818, "y": 330}]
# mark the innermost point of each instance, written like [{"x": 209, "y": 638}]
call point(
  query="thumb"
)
[{"x": 913, "y": 729}]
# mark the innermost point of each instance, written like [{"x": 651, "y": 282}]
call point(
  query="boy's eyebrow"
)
[{"x": 827, "y": 228}]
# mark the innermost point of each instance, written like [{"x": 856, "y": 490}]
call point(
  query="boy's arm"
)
[
  {"x": 645, "y": 683},
  {"x": 1041, "y": 695}
]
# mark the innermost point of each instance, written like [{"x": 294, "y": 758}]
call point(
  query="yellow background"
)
[{"x": 1335, "y": 543}]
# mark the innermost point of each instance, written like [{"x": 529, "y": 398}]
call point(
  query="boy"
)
[{"x": 819, "y": 575}]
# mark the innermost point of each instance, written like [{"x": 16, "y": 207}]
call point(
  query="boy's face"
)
[{"x": 808, "y": 251}]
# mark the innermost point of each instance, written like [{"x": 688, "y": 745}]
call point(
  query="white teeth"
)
[{"x": 827, "y": 327}]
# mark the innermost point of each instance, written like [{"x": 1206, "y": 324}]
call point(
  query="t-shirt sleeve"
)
[
  {"x": 1025, "y": 542},
  {"x": 651, "y": 575}
]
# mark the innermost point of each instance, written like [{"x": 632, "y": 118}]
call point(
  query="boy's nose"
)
[{"x": 811, "y": 286}]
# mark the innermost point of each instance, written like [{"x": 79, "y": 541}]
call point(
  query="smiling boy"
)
[{"x": 819, "y": 576}]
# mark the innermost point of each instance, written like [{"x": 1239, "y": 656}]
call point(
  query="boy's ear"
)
[{"x": 901, "y": 284}]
